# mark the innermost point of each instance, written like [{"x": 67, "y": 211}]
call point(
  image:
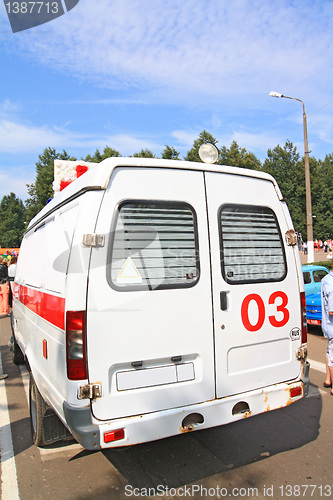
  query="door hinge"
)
[
  {"x": 93, "y": 240},
  {"x": 302, "y": 353},
  {"x": 90, "y": 391}
]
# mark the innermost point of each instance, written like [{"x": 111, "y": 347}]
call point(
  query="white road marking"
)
[
  {"x": 319, "y": 367},
  {"x": 9, "y": 485},
  {"x": 316, "y": 365}
]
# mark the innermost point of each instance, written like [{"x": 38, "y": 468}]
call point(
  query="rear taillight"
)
[
  {"x": 303, "y": 313},
  {"x": 114, "y": 435},
  {"x": 76, "y": 345},
  {"x": 296, "y": 391}
]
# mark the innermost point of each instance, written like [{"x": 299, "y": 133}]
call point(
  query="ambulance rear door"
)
[
  {"x": 256, "y": 296},
  {"x": 149, "y": 309}
]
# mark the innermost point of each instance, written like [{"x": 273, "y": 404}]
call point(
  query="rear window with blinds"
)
[
  {"x": 252, "y": 247},
  {"x": 154, "y": 246}
]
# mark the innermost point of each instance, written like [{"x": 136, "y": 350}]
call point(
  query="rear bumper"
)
[
  {"x": 90, "y": 432},
  {"x": 81, "y": 427}
]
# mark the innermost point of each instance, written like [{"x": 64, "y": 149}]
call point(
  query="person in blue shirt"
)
[{"x": 327, "y": 324}]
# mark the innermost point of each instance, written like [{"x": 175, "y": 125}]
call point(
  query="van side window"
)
[
  {"x": 154, "y": 246},
  {"x": 252, "y": 247}
]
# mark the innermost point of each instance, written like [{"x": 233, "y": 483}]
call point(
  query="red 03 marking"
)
[{"x": 280, "y": 308}]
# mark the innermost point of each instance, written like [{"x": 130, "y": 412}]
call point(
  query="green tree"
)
[
  {"x": 12, "y": 222},
  {"x": 238, "y": 157},
  {"x": 144, "y": 153},
  {"x": 204, "y": 137},
  {"x": 170, "y": 153},
  {"x": 41, "y": 190},
  {"x": 285, "y": 166},
  {"x": 321, "y": 194},
  {"x": 98, "y": 156}
]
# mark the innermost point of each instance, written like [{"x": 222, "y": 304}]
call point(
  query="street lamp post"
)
[{"x": 309, "y": 222}]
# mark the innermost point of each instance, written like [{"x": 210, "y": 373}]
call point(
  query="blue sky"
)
[{"x": 135, "y": 74}]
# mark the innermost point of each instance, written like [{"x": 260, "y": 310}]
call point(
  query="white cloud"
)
[
  {"x": 128, "y": 144},
  {"x": 15, "y": 180},
  {"x": 220, "y": 56},
  {"x": 255, "y": 141},
  {"x": 7, "y": 106},
  {"x": 321, "y": 125},
  {"x": 16, "y": 137},
  {"x": 185, "y": 49},
  {"x": 185, "y": 138}
]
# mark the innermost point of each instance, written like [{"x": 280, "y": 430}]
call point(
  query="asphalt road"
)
[{"x": 286, "y": 453}]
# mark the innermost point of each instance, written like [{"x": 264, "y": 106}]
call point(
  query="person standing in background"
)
[
  {"x": 4, "y": 288},
  {"x": 327, "y": 325},
  {"x": 11, "y": 277},
  {"x": 4, "y": 296},
  {"x": 12, "y": 271}
]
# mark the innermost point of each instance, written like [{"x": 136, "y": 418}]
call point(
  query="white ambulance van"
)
[{"x": 157, "y": 297}]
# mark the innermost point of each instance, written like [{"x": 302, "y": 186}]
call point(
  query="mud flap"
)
[{"x": 53, "y": 429}]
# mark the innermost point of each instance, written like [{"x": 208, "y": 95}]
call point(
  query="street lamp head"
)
[{"x": 275, "y": 94}]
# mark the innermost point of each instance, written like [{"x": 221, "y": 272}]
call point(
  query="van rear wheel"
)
[{"x": 38, "y": 408}]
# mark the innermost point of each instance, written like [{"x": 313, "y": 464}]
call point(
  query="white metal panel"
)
[
  {"x": 45, "y": 251},
  {"x": 50, "y": 262},
  {"x": 152, "y": 326},
  {"x": 247, "y": 360}
]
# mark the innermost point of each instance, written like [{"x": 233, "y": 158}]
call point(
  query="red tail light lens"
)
[
  {"x": 296, "y": 391},
  {"x": 76, "y": 345},
  {"x": 303, "y": 313},
  {"x": 114, "y": 435}
]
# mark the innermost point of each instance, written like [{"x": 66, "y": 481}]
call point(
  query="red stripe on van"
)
[{"x": 49, "y": 307}]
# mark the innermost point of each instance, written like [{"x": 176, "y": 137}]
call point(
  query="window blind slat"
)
[
  {"x": 252, "y": 248},
  {"x": 160, "y": 241}
]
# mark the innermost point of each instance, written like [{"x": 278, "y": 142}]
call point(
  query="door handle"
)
[{"x": 223, "y": 301}]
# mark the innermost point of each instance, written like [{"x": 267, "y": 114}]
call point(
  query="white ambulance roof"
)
[{"x": 98, "y": 177}]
